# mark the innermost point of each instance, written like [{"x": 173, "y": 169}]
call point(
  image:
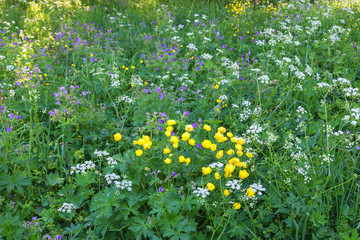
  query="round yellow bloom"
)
[
  {"x": 117, "y": 137},
  {"x": 230, "y": 152},
  {"x": 243, "y": 174},
  {"x": 175, "y": 145},
  {"x": 189, "y": 128},
  {"x": 167, "y": 161},
  {"x": 238, "y": 147},
  {"x": 206, "y": 170},
  {"x": 135, "y": 142},
  {"x": 167, "y": 150},
  {"x": 221, "y": 130},
  {"x": 206, "y": 144},
  {"x": 237, "y": 206},
  {"x": 147, "y": 145},
  {"x": 207, "y": 127},
  {"x": 216, "y": 86},
  {"x": 240, "y": 141},
  {"x": 229, "y": 134},
  {"x": 169, "y": 128},
  {"x": 185, "y": 136},
  {"x": 233, "y": 139},
  {"x": 210, "y": 186},
  {"x": 250, "y": 192},
  {"x": 226, "y": 192},
  {"x": 139, "y": 152},
  {"x": 187, "y": 161},
  {"x": 192, "y": 142},
  {"x": 249, "y": 155},
  {"x": 141, "y": 141},
  {"x": 174, "y": 139},
  {"x": 213, "y": 147},
  {"x": 229, "y": 168},
  {"x": 167, "y": 133},
  {"x": 171, "y": 122},
  {"x": 181, "y": 159},
  {"x": 217, "y": 176},
  {"x": 146, "y": 138},
  {"x": 239, "y": 153},
  {"x": 219, "y": 154}
]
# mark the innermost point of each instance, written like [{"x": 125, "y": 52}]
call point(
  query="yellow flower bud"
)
[
  {"x": 167, "y": 150},
  {"x": 210, "y": 186},
  {"x": 206, "y": 170},
  {"x": 139, "y": 152},
  {"x": 171, "y": 122},
  {"x": 192, "y": 142},
  {"x": 226, "y": 193},
  {"x": 217, "y": 176},
  {"x": 167, "y": 161},
  {"x": 207, "y": 127},
  {"x": 250, "y": 192},
  {"x": 117, "y": 137},
  {"x": 213, "y": 147},
  {"x": 189, "y": 128},
  {"x": 181, "y": 159},
  {"x": 249, "y": 155},
  {"x": 187, "y": 161},
  {"x": 243, "y": 174},
  {"x": 237, "y": 206}
]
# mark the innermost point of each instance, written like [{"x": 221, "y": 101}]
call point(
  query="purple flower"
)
[
  {"x": 198, "y": 145},
  {"x": 34, "y": 218},
  {"x": 186, "y": 113},
  {"x": 62, "y": 88},
  {"x": 161, "y": 189},
  {"x": 163, "y": 114},
  {"x": 161, "y": 96},
  {"x": 194, "y": 125},
  {"x": 18, "y": 117},
  {"x": 173, "y": 173},
  {"x": 11, "y": 115},
  {"x": 59, "y": 237},
  {"x": 200, "y": 120},
  {"x": 65, "y": 110},
  {"x": 184, "y": 87},
  {"x": 160, "y": 128},
  {"x": 8, "y": 129},
  {"x": 84, "y": 93},
  {"x": 161, "y": 121}
]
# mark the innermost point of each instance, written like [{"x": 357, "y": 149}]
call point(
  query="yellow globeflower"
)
[
  {"x": 169, "y": 128},
  {"x": 239, "y": 153},
  {"x": 135, "y": 142},
  {"x": 139, "y": 152},
  {"x": 217, "y": 176},
  {"x": 117, "y": 137},
  {"x": 238, "y": 147},
  {"x": 171, "y": 122},
  {"x": 219, "y": 154},
  {"x": 249, "y": 155},
  {"x": 243, "y": 174},
  {"x": 221, "y": 130},
  {"x": 213, "y": 147},
  {"x": 230, "y": 152},
  {"x": 226, "y": 193},
  {"x": 192, "y": 142},
  {"x": 187, "y": 161},
  {"x": 167, "y": 161},
  {"x": 167, "y": 150},
  {"x": 181, "y": 159},
  {"x": 206, "y": 144},
  {"x": 240, "y": 141},
  {"x": 237, "y": 206},
  {"x": 175, "y": 145},
  {"x": 250, "y": 192},
  {"x": 207, "y": 127},
  {"x": 210, "y": 186},
  {"x": 167, "y": 133},
  {"x": 189, "y": 128},
  {"x": 206, "y": 170},
  {"x": 174, "y": 139},
  {"x": 185, "y": 136},
  {"x": 229, "y": 134}
]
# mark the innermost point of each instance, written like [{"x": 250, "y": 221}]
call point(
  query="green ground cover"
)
[{"x": 179, "y": 119}]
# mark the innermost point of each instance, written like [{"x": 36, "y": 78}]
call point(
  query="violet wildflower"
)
[{"x": 161, "y": 189}]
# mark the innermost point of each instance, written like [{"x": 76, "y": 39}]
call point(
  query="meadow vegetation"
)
[{"x": 179, "y": 119}]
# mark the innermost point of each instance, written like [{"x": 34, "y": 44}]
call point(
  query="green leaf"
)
[
  {"x": 85, "y": 179},
  {"x": 53, "y": 179},
  {"x": 104, "y": 202},
  {"x": 16, "y": 180}
]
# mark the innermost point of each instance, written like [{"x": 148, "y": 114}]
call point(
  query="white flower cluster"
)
[
  {"x": 206, "y": 56},
  {"x": 234, "y": 184},
  {"x": 351, "y": 92},
  {"x": 82, "y": 168},
  {"x": 201, "y": 192},
  {"x": 66, "y": 208},
  {"x": 124, "y": 184},
  {"x": 258, "y": 188},
  {"x": 101, "y": 153},
  {"x": 136, "y": 80},
  {"x": 264, "y": 79},
  {"x": 216, "y": 165},
  {"x": 111, "y": 161},
  {"x": 125, "y": 99}
]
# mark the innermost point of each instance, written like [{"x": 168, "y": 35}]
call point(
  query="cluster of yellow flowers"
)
[{"x": 143, "y": 141}]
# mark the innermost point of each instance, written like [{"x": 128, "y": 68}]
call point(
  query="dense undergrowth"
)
[{"x": 179, "y": 120}]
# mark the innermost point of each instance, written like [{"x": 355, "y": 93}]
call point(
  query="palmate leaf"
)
[
  {"x": 104, "y": 202},
  {"x": 182, "y": 229},
  {"x": 16, "y": 180},
  {"x": 141, "y": 228}
]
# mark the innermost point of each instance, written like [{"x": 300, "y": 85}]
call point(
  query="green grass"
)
[{"x": 284, "y": 79}]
